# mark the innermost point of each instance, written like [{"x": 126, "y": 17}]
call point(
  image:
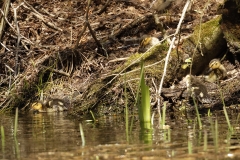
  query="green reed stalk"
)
[
  {"x": 205, "y": 144},
  {"x": 144, "y": 109},
  {"x": 169, "y": 135},
  {"x": 94, "y": 119},
  {"x": 198, "y": 115},
  {"x": 227, "y": 119},
  {"x": 209, "y": 113},
  {"x": 225, "y": 111},
  {"x": 190, "y": 148},
  {"x": 237, "y": 118},
  {"x": 126, "y": 107},
  {"x": 3, "y": 139},
  {"x": 16, "y": 123},
  {"x": 17, "y": 148},
  {"x": 163, "y": 115},
  {"x": 229, "y": 136},
  {"x": 82, "y": 134},
  {"x": 216, "y": 136},
  {"x": 15, "y": 134}
]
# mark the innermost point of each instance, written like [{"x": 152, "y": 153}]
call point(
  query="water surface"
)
[{"x": 53, "y": 136}]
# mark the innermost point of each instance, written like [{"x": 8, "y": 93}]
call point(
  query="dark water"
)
[{"x": 53, "y": 136}]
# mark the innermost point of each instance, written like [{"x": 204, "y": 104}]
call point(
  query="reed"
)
[
  {"x": 169, "y": 135},
  {"x": 162, "y": 122},
  {"x": 17, "y": 148},
  {"x": 237, "y": 118},
  {"x": 126, "y": 108},
  {"x": 216, "y": 136},
  {"x": 190, "y": 147},
  {"x": 144, "y": 109},
  {"x": 229, "y": 136},
  {"x": 16, "y": 123},
  {"x": 198, "y": 115},
  {"x": 93, "y": 117},
  {"x": 3, "y": 139},
  {"x": 205, "y": 144},
  {"x": 82, "y": 134},
  {"x": 225, "y": 111},
  {"x": 209, "y": 113}
]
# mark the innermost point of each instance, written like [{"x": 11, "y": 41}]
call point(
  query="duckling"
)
[
  {"x": 57, "y": 105},
  {"x": 147, "y": 43},
  {"x": 196, "y": 89},
  {"x": 216, "y": 72},
  {"x": 51, "y": 105},
  {"x": 37, "y": 107}
]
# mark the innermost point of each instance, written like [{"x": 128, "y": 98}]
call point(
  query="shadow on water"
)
[{"x": 53, "y": 136}]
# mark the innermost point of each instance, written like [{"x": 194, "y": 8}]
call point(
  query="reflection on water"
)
[{"x": 53, "y": 136}]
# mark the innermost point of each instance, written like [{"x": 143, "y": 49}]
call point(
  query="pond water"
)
[{"x": 53, "y": 136}]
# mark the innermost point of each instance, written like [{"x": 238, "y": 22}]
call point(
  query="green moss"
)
[
  {"x": 153, "y": 53},
  {"x": 108, "y": 91},
  {"x": 208, "y": 32}
]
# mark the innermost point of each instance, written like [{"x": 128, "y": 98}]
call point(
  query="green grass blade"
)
[
  {"x": 16, "y": 123},
  {"x": 82, "y": 134},
  {"x": 3, "y": 139},
  {"x": 144, "y": 109}
]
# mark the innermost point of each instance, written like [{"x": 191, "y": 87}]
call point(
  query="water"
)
[{"x": 53, "y": 136}]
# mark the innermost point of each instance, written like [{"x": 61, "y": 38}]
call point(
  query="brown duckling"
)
[
  {"x": 147, "y": 43},
  {"x": 216, "y": 72},
  {"x": 51, "y": 105},
  {"x": 196, "y": 89}
]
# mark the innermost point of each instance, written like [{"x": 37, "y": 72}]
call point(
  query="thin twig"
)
[
  {"x": 5, "y": 7},
  {"x": 84, "y": 26},
  {"x": 103, "y": 8},
  {"x": 169, "y": 51},
  {"x": 18, "y": 39},
  {"x": 27, "y": 40},
  {"x": 56, "y": 71},
  {"x": 41, "y": 17},
  {"x": 87, "y": 24}
]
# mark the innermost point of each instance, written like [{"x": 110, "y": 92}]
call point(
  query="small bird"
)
[
  {"x": 196, "y": 89},
  {"x": 51, "y": 105},
  {"x": 147, "y": 43},
  {"x": 216, "y": 72}
]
